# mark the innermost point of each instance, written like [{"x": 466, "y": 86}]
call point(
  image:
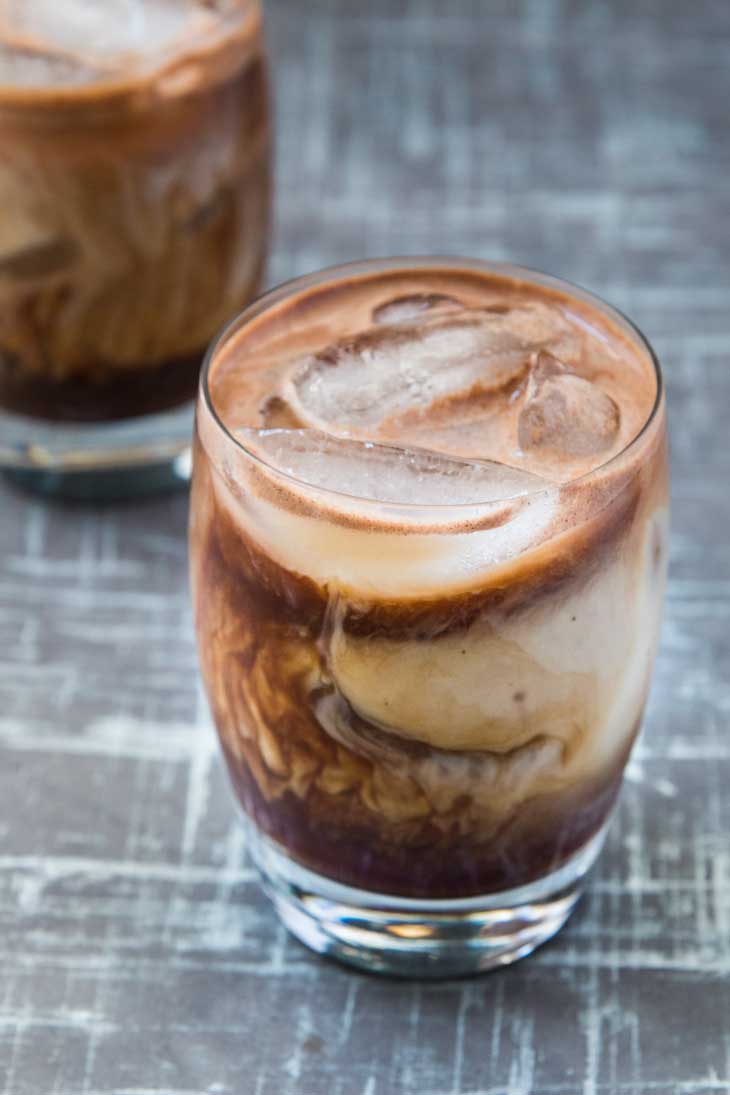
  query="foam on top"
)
[
  {"x": 478, "y": 368},
  {"x": 46, "y": 44},
  {"x": 423, "y": 424}
]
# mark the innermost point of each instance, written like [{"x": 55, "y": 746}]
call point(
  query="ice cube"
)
[
  {"x": 401, "y": 309},
  {"x": 566, "y": 414},
  {"x": 462, "y": 357},
  {"x": 387, "y": 473}
]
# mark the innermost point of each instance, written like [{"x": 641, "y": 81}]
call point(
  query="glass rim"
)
[{"x": 289, "y": 288}]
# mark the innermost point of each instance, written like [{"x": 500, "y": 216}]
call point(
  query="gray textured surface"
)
[{"x": 137, "y": 954}]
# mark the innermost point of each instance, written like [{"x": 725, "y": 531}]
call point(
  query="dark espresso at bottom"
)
[
  {"x": 428, "y": 550},
  {"x": 103, "y": 396}
]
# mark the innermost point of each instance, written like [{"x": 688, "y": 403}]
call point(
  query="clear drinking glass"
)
[
  {"x": 425, "y": 708},
  {"x": 135, "y": 184}
]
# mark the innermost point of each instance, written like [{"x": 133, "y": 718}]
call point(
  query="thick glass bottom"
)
[
  {"x": 109, "y": 460},
  {"x": 408, "y": 938}
]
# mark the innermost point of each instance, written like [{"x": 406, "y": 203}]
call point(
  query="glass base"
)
[
  {"x": 108, "y": 460},
  {"x": 408, "y": 938}
]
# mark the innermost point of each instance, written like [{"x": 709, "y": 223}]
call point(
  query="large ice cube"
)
[
  {"x": 387, "y": 473},
  {"x": 565, "y": 414},
  {"x": 416, "y": 369}
]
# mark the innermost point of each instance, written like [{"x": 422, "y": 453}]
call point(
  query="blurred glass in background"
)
[{"x": 135, "y": 188}]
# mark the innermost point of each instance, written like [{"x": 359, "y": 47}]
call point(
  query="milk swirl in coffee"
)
[
  {"x": 428, "y": 543},
  {"x": 134, "y": 180}
]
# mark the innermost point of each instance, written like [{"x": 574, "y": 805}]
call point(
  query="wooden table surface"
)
[{"x": 138, "y": 955}]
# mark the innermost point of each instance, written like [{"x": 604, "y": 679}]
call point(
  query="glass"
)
[
  {"x": 135, "y": 182},
  {"x": 459, "y": 840}
]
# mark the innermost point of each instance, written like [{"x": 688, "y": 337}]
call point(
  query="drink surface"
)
[
  {"x": 471, "y": 367},
  {"x": 134, "y": 166},
  {"x": 45, "y": 44},
  {"x": 428, "y": 571}
]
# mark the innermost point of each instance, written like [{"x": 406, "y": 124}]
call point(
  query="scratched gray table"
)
[{"x": 138, "y": 955}]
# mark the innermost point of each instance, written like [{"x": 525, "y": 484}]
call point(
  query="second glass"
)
[{"x": 135, "y": 180}]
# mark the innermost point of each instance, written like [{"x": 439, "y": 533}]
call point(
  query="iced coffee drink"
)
[
  {"x": 429, "y": 526},
  {"x": 134, "y": 182}
]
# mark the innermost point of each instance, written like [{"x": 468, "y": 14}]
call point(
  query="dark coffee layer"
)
[
  {"x": 100, "y": 396},
  {"x": 321, "y": 833}
]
